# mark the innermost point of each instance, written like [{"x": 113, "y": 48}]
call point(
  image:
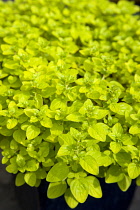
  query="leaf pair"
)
[{"x": 80, "y": 188}]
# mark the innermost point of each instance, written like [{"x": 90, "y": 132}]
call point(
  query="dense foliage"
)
[{"x": 69, "y": 94}]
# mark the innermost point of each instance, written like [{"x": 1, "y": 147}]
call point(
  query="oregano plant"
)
[{"x": 69, "y": 95}]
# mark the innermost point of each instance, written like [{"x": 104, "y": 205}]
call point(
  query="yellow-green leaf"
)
[
  {"x": 89, "y": 164},
  {"x": 57, "y": 189},
  {"x": 125, "y": 183},
  {"x": 70, "y": 200},
  {"x": 58, "y": 172},
  {"x": 32, "y": 132},
  {"x": 79, "y": 189},
  {"x": 133, "y": 170},
  {"x": 98, "y": 131},
  {"x": 94, "y": 187},
  {"x": 30, "y": 179},
  {"x": 11, "y": 123}
]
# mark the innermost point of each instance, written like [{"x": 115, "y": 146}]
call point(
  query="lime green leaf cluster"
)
[{"x": 69, "y": 94}]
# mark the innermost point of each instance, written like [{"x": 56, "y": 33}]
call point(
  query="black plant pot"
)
[{"x": 113, "y": 199}]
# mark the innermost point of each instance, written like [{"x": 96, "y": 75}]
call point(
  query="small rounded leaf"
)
[
  {"x": 19, "y": 179},
  {"x": 19, "y": 136},
  {"x": 32, "y": 132},
  {"x": 89, "y": 164},
  {"x": 94, "y": 187},
  {"x": 133, "y": 170},
  {"x": 114, "y": 174},
  {"x": 70, "y": 200},
  {"x": 58, "y": 172},
  {"x": 57, "y": 189},
  {"x": 30, "y": 179},
  {"x": 79, "y": 189},
  {"x": 11, "y": 123},
  {"x": 125, "y": 183}
]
